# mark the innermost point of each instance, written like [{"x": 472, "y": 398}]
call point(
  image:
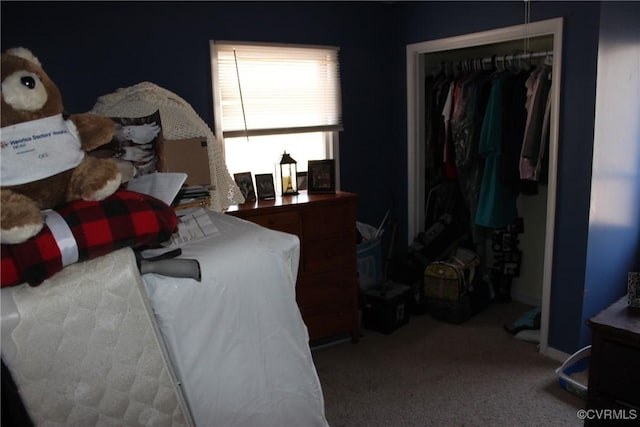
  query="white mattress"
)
[
  {"x": 84, "y": 350},
  {"x": 237, "y": 338}
]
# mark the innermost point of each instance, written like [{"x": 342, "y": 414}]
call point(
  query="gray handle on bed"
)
[{"x": 173, "y": 268}]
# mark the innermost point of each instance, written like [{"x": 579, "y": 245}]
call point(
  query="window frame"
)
[{"x": 331, "y": 137}]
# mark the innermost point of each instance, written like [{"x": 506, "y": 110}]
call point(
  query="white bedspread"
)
[{"x": 237, "y": 338}]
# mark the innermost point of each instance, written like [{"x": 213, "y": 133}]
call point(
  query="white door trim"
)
[{"x": 415, "y": 132}]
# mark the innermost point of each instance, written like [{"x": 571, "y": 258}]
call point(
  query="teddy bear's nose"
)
[{"x": 28, "y": 81}]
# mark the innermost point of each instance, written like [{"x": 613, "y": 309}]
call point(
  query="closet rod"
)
[
  {"x": 506, "y": 57},
  {"x": 472, "y": 63},
  {"x": 516, "y": 56}
]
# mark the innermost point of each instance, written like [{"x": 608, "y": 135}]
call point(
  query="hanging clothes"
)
[
  {"x": 432, "y": 130},
  {"x": 436, "y": 91},
  {"x": 496, "y": 201},
  {"x": 488, "y": 133},
  {"x": 448, "y": 152},
  {"x": 538, "y": 87},
  {"x": 513, "y": 126},
  {"x": 466, "y": 123},
  {"x": 541, "y": 173}
]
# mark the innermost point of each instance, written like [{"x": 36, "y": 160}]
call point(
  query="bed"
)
[
  {"x": 230, "y": 350},
  {"x": 98, "y": 343}
]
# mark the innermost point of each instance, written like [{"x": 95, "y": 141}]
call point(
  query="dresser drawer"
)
[
  {"x": 322, "y": 324},
  {"x": 621, "y": 378},
  {"x": 327, "y": 285},
  {"x": 281, "y": 221},
  {"x": 329, "y": 254},
  {"x": 324, "y": 221},
  {"x": 336, "y": 287}
]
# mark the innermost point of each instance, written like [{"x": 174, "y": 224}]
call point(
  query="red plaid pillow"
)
[{"x": 124, "y": 219}]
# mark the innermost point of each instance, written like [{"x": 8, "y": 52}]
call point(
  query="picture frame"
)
[
  {"x": 321, "y": 177},
  {"x": 265, "y": 187},
  {"x": 245, "y": 184},
  {"x": 301, "y": 178}
]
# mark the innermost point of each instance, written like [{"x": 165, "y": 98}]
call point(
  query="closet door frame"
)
[{"x": 416, "y": 130}]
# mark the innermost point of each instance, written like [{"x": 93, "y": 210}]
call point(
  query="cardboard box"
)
[{"x": 189, "y": 156}]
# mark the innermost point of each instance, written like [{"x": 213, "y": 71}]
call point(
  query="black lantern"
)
[{"x": 288, "y": 175}]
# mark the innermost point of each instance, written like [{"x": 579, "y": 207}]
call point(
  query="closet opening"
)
[{"x": 518, "y": 49}]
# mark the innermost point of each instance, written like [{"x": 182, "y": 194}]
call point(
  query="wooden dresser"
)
[
  {"x": 327, "y": 286},
  {"x": 614, "y": 372}
]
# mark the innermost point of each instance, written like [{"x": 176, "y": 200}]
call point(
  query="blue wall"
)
[
  {"x": 614, "y": 224},
  {"x": 94, "y": 48}
]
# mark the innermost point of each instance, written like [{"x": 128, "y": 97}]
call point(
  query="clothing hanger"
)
[
  {"x": 504, "y": 63},
  {"x": 514, "y": 63},
  {"x": 528, "y": 64},
  {"x": 438, "y": 69},
  {"x": 451, "y": 69}
]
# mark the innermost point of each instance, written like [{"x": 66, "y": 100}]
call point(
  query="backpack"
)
[{"x": 448, "y": 285}]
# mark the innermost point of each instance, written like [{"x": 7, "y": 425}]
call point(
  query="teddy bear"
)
[{"x": 43, "y": 151}]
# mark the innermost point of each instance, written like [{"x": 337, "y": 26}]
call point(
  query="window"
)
[{"x": 274, "y": 98}]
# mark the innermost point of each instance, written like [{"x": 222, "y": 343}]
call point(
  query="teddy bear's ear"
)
[{"x": 24, "y": 53}]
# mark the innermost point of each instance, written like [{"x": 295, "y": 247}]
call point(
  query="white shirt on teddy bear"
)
[{"x": 38, "y": 149}]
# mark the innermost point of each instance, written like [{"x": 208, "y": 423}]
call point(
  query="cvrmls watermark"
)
[{"x": 607, "y": 414}]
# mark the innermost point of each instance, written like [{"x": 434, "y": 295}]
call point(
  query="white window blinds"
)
[{"x": 274, "y": 89}]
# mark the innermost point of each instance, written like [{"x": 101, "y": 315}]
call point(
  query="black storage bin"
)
[{"x": 386, "y": 308}]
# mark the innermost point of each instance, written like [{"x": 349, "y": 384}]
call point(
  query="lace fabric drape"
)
[{"x": 179, "y": 121}]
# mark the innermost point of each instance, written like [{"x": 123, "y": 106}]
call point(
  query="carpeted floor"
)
[{"x": 430, "y": 373}]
